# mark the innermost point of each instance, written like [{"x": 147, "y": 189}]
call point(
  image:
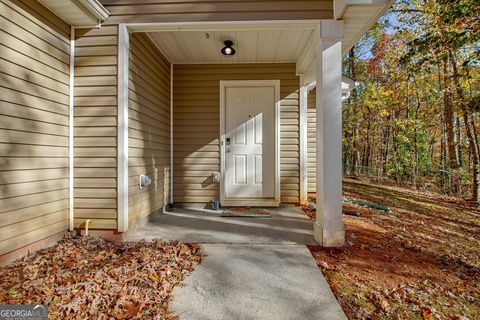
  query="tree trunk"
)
[
  {"x": 459, "y": 142},
  {"x": 472, "y": 137},
  {"x": 415, "y": 136},
  {"x": 449, "y": 127},
  {"x": 443, "y": 160},
  {"x": 354, "y": 99},
  {"x": 475, "y": 158},
  {"x": 415, "y": 150}
]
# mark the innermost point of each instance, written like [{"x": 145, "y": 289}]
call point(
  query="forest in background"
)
[{"x": 415, "y": 117}]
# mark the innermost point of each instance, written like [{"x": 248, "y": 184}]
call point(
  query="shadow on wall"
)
[
  {"x": 149, "y": 126},
  {"x": 25, "y": 129},
  {"x": 197, "y": 125},
  {"x": 33, "y": 147}
]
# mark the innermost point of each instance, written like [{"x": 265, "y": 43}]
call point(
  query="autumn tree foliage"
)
[{"x": 415, "y": 116}]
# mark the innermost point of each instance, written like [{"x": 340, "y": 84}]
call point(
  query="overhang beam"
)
[{"x": 222, "y": 26}]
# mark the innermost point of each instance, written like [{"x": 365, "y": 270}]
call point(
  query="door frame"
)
[{"x": 265, "y": 202}]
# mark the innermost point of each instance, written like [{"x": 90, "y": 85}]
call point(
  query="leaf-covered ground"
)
[
  {"x": 421, "y": 261},
  {"x": 91, "y": 278}
]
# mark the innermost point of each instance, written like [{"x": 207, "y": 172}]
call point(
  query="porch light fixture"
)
[{"x": 228, "y": 50}]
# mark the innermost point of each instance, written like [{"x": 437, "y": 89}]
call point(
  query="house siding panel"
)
[
  {"x": 95, "y": 133},
  {"x": 34, "y": 73},
  {"x": 149, "y": 127},
  {"x": 196, "y": 119},
  {"x": 131, "y": 11}
]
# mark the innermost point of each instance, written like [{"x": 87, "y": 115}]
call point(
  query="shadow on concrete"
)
[{"x": 288, "y": 225}]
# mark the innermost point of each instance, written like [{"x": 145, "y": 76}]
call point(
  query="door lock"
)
[{"x": 228, "y": 141}]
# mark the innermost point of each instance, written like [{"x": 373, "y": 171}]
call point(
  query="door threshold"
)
[{"x": 250, "y": 203}]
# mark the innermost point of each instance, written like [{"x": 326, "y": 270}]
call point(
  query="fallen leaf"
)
[
  {"x": 92, "y": 278},
  {"x": 426, "y": 313}
]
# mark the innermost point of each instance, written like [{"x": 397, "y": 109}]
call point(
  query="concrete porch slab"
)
[
  {"x": 255, "y": 268},
  {"x": 278, "y": 282},
  {"x": 288, "y": 225}
]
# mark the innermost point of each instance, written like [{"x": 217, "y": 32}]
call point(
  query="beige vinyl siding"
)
[
  {"x": 133, "y": 11},
  {"x": 149, "y": 127},
  {"x": 311, "y": 142},
  {"x": 95, "y": 133},
  {"x": 196, "y": 126},
  {"x": 34, "y": 88}
]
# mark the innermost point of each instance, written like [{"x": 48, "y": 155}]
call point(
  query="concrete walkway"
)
[{"x": 255, "y": 268}]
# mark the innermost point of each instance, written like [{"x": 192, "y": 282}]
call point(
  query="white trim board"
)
[
  {"x": 275, "y": 202},
  {"x": 223, "y": 25},
  {"x": 171, "y": 134},
  {"x": 122, "y": 153},
  {"x": 305, "y": 88},
  {"x": 71, "y": 132}
]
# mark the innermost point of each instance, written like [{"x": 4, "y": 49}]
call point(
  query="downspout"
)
[
  {"x": 171, "y": 134},
  {"x": 71, "y": 158}
]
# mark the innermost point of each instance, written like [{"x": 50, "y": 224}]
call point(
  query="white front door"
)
[{"x": 249, "y": 144}]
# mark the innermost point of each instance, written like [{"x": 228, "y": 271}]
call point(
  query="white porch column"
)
[
  {"x": 328, "y": 227},
  {"x": 303, "y": 141},
  {"x": 305, "y": 87}
]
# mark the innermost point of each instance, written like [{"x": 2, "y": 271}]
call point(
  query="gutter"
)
[
  {"x": 79, "y": 13},
  {"x": 340, "y": 6},
  {"x": 95, "y": 8}
]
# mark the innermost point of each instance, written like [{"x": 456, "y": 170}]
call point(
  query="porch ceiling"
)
[
  {"x": 261, "y": 42},
  {"x": 253, "y": 46}
]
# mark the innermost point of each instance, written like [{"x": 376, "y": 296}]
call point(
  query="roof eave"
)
[
  {"x": 342, "y": 7},
  {"x": 78, "y": 13},
  {"x": 96, "y": 9}
]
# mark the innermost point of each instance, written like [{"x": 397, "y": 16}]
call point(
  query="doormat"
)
[{"x": 246, "y": 213}]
